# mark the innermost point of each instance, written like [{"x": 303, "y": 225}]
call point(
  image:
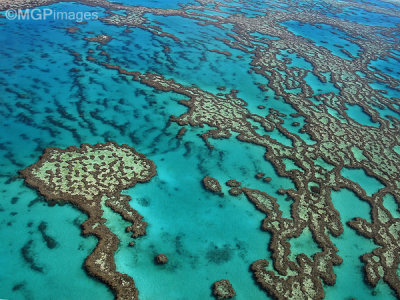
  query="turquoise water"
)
[
  {"x": 390, "y": 203},
  {"x": 350, "y": 206},
  {"x": 357, "y": 113},
  {"x": 387, "y": 65},
  {"x": 326, "y": 36},
  {"x": 205, "y": 239},
  {"x": 322, "y": 163},
  {"x": 364, "y": 17},
  {"x": 320, "y": 87},
  {"x": 205, "y": 236},
  {"x": 296, "y": 60},
  {"x": 397, "y": 149},
  {"x": 42, "y": 270},
  {"x": 303, "y": 244},
  {"x": 349, "y": 281},
  {"x": 370, "y": 184},
  {"x": 291, "y": 165}
]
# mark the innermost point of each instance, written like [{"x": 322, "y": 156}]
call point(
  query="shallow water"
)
[
  {"x": 356, "y": 113},
  {"x": 370, "y": 184},
  {"x": 324, "y": 36}
]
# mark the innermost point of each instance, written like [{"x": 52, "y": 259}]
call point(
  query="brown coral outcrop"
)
[
  {"x": 222, "y": 289},
  {"x": 161, "y": 259},
  {"x": 212, "y": 185}
]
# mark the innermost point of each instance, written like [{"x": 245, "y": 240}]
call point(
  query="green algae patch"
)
[
  {"x": 322, "y": 163},
  {"x": 291, "y": 165},
  {"x": 358, "y": 154}
]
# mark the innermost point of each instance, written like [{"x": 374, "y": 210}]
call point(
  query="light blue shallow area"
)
[
  {"x": 387, "y": 114},
  {"x": 206, "y": 237},
  {"x": 370, "y": 184},
  {"x": 387, "y": 90},
  {"x": 320, "y": 87},
  {"x": 387, "y": 65},
  {"x": 391, "y": 205},
  {"x": 296, "y": 60},
  {"x": 369, "y": 18},
  {"x": 350, "y": 274},
  {"x": 303, "y": 244},
  {"x": 350, "y": 206},
  {"x": 325, "y": 36},
  {"x": 357, "y": 113}
]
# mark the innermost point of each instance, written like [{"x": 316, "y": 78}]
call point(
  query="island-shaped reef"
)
[{"x": 90, "y": 177}]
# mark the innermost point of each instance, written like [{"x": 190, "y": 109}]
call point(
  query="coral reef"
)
[
  {"x": 233, "y": 183},
  {"x": 235, "y": 191},
  {"x": 211, "y": 184},
  {"x": 88, "y": 177},
  {"x": 161, "y": 259},
  {"x": 100, "y": 38},
  {"x": 222, "y": 289},
  {"x": 260, "y": 175},
  {"x": 326, "y": 122}
]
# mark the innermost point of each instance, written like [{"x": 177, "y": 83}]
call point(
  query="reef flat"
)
[
  {"x": 314, "y": 86},
  {"x": 89, "y": 177}
]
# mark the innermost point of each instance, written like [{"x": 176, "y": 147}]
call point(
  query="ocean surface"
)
[{"x": 207, "y": 237}]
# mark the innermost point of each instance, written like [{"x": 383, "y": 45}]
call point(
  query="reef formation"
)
[
  {"x": 222, "y": 289},
  {"x": 90, "y": 177},
  {"x": 329, "y": 135},
  {"x": 212, "y": 185},
  {"x": 161, "y": 259}
]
